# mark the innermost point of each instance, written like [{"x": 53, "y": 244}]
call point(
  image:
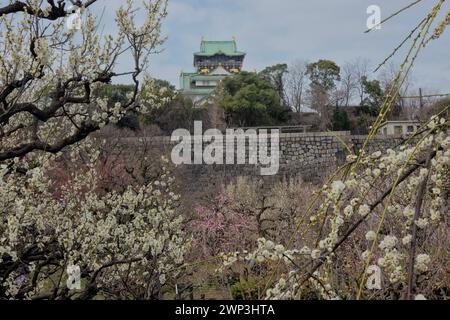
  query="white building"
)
[{"x": 397, "y": 128}]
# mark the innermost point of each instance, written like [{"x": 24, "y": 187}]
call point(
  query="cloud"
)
[{"x": 287, "y": 30}]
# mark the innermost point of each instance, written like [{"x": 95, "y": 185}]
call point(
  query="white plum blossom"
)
[
  {"x": 337, "y": 187},
  {"x": 370, "y": 235},
  {"x": 135, "y": 233},
  {"x": 364, "y": 210},
  {"x": 348, "y": 211},
  {"x": 315, "y": 254},
  {"x": 407, "y": 239},
  {"x": 408, "y": 212},
  {"x": 52, "y": 62},
  {"x": 389, "y": 242},
  {"x": 422, "y": 223},
  {"x": 376, "y": 155},
  {"x": 422, "y": 262}
]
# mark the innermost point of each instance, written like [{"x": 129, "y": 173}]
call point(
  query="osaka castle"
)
[{"x": 215, "y": 61}]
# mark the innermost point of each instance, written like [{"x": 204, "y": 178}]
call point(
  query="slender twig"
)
[
  {"x": 400, "y": 45},
  {"x": 379, "y": 201},
  {"x": 393, "y": 15},
  {"x": 417, "y": 213}
]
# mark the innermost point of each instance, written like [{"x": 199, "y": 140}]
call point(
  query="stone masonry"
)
[{"x": 309, "y": 156}]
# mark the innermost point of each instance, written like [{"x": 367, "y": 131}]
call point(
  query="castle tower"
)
[{"x": 215, "y": 61}]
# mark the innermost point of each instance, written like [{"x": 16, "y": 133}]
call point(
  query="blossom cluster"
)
[
  {"x": 349, "y": 215},
  {"x": 135, "y": 234},
  {"x": 63, "y": 70}
]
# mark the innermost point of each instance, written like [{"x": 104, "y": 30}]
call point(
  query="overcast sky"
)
[{"x": 283, "y": 31}]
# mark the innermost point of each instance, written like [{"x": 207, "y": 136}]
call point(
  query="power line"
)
[{"x": 427, "y": 96}]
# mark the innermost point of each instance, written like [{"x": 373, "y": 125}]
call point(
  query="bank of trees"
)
[
  {"x": 321, "y": 87},
  {"x": 281, "y": 94},
  {"x": 321, "y": 94}
]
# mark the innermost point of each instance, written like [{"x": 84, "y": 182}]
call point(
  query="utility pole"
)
[{"x": 420, "y": 98}]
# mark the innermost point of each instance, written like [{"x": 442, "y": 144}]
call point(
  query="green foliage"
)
[
  {"x": 250, "y": 99},
  {"x": 341, "y": 121},
  {"x": 159, "y": 92},
  {"x": 324, "y": 74},
  {"x": 374, "y": 95},
  {"x": 363, "y": 122},
  {"x": 275, "y": 75},
  {"x": 160, "y": 84},
  {"x": 117, "y": 93},
  {"x": 245, "y": 290},
  {"x": 113, "y": 92},
  {"x": 179, "y": 113}
]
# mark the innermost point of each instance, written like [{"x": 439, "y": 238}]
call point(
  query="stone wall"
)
[{"x": 309, "y": 156}]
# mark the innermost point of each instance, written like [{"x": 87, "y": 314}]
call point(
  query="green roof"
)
[{"x": 211, "y": 48}]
